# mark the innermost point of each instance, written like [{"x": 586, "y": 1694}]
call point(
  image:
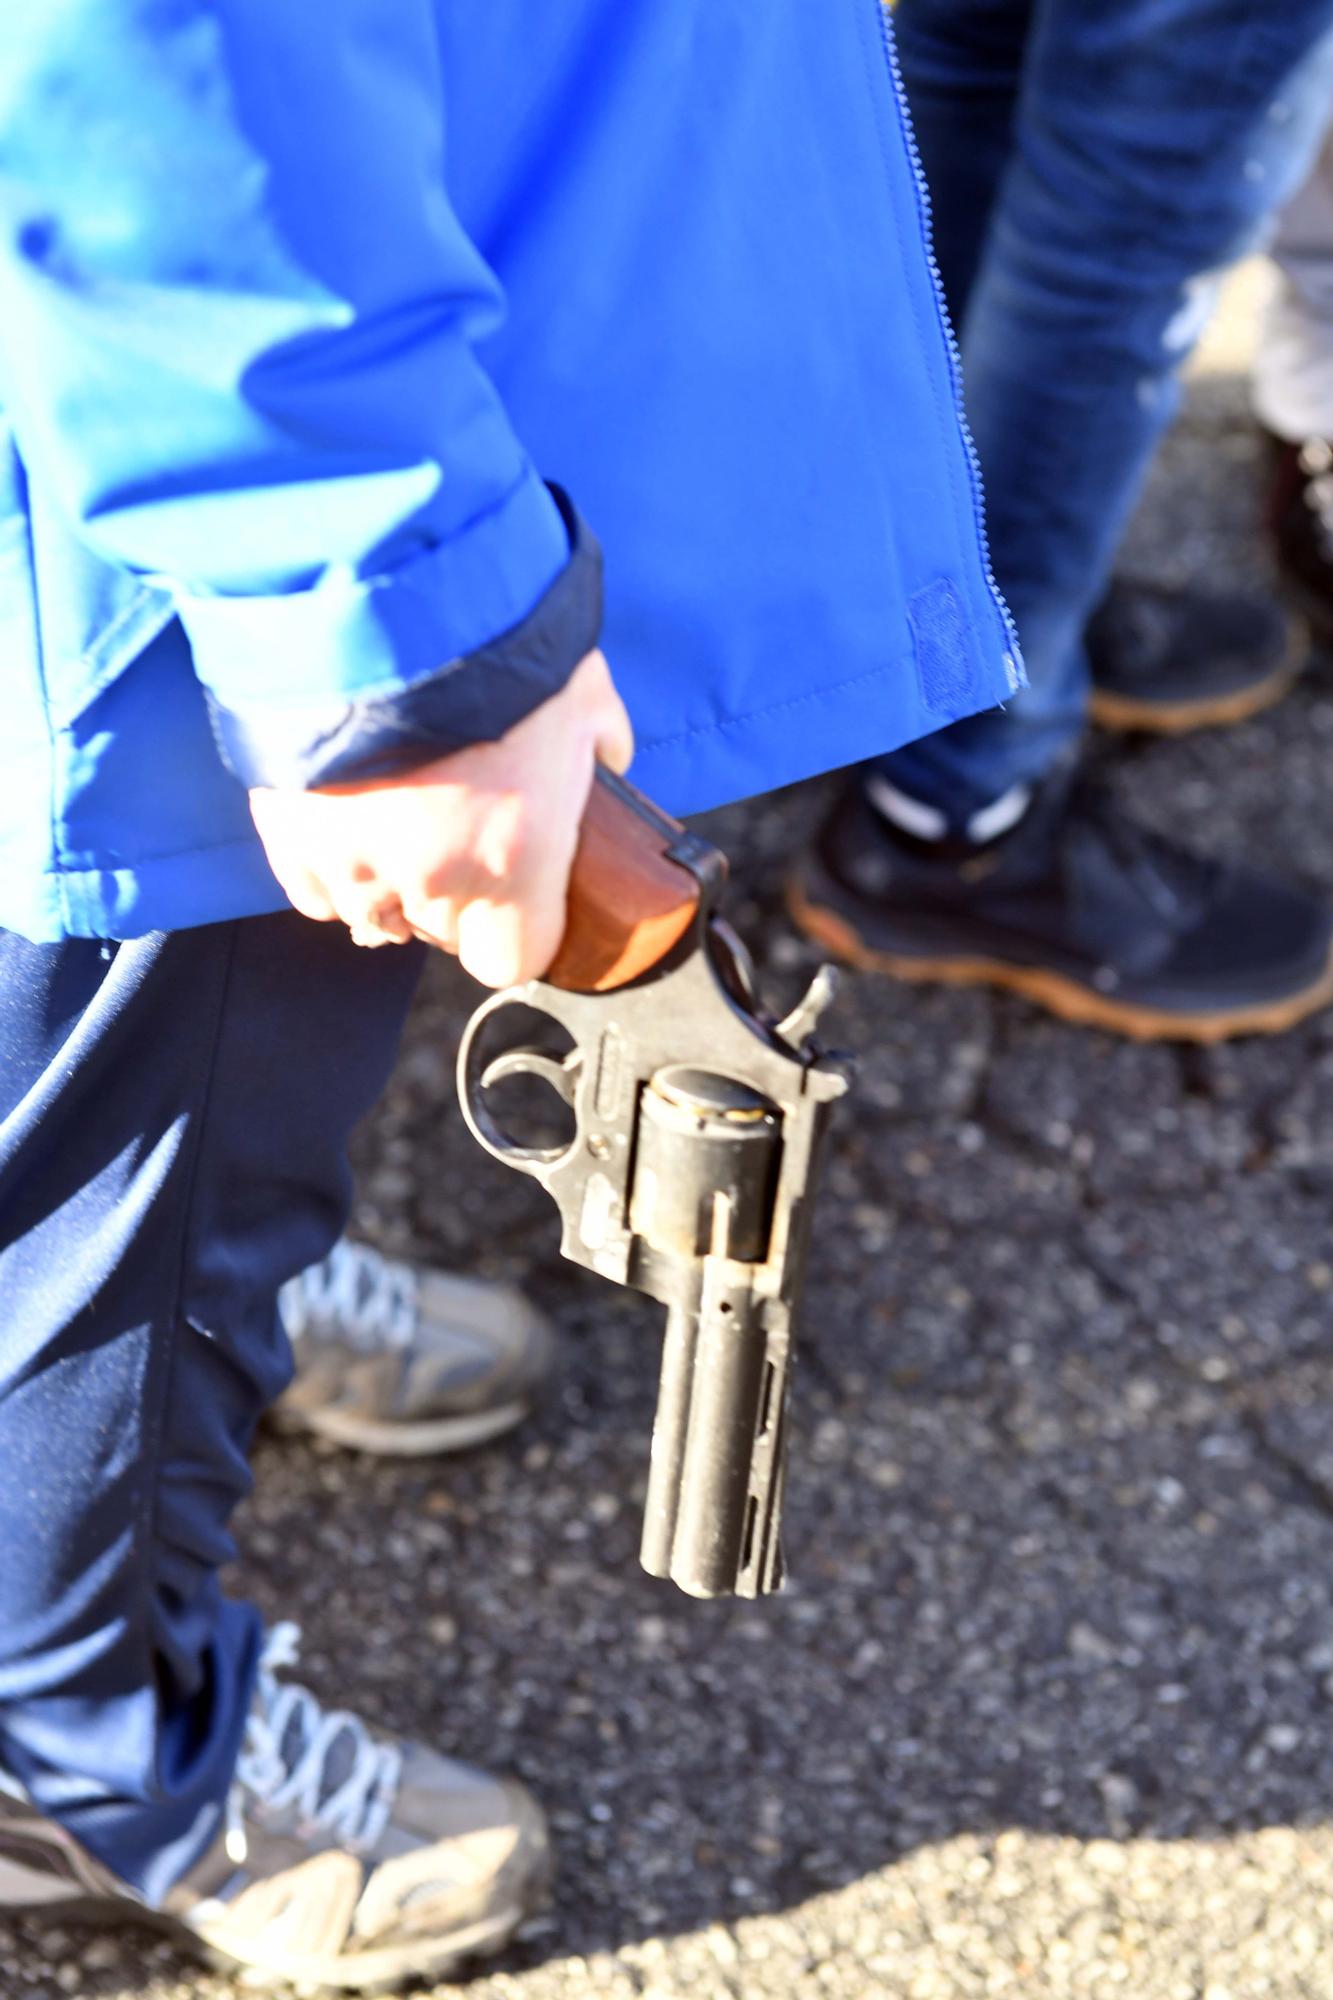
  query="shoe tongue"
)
[
  {"x": 383, "y": 1302},
  {"x": 337, "y": 1764},
  {"x": 339, "y": 1755}
]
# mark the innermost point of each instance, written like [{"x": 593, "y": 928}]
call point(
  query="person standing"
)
[
  {"x": 304, "y": 673},
  {"x": 1293, "y": 395},
  {"x": 1093, "y": 165}
]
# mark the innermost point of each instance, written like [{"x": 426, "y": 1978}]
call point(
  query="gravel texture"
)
[{"x": 1049, "y": 1708}]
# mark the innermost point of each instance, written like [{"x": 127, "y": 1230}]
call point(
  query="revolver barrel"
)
[
  {"x": 702, "y": 1208},
  {"x": 712, "y": 1516}
]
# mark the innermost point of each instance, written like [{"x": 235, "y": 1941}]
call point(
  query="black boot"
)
[
  {"x": 1169, "y": 661},
  {"x": 1085, "y": 913}
]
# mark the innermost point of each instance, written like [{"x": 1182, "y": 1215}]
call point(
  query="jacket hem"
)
[
  {"x": 166, "y": 892},
  {"x": 682, "y": 776},
  {"x": 689, "y": 772}
]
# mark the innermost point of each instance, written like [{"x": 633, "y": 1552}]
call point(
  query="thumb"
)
[
  {"x": 613, "y": 733},
  {"x": 615, "y": 736}
]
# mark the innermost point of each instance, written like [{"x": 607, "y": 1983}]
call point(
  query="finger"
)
[
  {"x": 502, "y": 944},
  {"x": 614, "y": 739},
  {"x": 379, "y": 918},
  {"x": 396, "y": 927},
  {"x": 303, "y": 888},
  {"x": 306, "y": 894},
  {"x": 434, "y": 921}
]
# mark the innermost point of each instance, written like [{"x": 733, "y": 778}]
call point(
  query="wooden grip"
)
[{"x": 628, "y": 904}]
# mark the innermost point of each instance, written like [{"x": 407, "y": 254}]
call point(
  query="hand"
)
[{"x": 471, "y": 852}]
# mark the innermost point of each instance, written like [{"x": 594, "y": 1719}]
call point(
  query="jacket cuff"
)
[{"x": 434, "y": 697}]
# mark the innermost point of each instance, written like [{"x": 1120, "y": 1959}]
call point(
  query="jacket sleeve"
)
[{"x": 237, "y": 316}]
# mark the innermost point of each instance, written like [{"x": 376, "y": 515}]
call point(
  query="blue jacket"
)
[{"x": 301, "y": 309}]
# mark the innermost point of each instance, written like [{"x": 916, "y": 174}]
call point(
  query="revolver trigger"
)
[
  {"x": 804, "y": 1017},
  {"x": 733, "y": 964},
  {"x": 561, "y": 1074}
]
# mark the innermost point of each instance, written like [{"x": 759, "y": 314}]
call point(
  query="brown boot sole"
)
[
  {"x": 1181, "y": 718},
  {"x": 1058, "y": 995}
]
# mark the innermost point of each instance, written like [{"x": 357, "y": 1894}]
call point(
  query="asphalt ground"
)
[{"x": 1048, "y": 1710}]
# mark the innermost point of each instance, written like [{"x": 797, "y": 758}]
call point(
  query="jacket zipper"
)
[{"x": 1014, "y": 656}]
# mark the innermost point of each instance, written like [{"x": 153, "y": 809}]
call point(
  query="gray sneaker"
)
[
  {"x": 394, "y": 1358},
  {"x": 348, "y": 1861}
]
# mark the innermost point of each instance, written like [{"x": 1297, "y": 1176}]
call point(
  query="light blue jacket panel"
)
[{"x": 295, "y": 323}]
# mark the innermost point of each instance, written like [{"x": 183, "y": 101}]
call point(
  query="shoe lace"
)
[
  {"x": 356, "y": 1295},
  {"x": 325, "y": 1765}
]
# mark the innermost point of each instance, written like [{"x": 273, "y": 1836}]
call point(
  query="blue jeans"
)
[
  {"x": 173, "y": 1123},
  {"x": 1092, "y": 164}
]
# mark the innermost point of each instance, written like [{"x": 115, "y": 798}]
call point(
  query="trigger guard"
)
[{"x": 535, "y": 1161}]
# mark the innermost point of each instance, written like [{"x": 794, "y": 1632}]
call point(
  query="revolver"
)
[{"x": 697, "y": 1124}]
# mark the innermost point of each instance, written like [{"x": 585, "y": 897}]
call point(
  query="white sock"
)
[
  {"x": 909, "y": 815},
  {"x": 1000, "y": 816},
  {"x": 923, "y": 822}
]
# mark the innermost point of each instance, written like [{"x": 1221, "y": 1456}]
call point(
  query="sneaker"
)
[
  {"x": 1090, "y": 916},
  {"x": 347, "y": 1860},
  {"x": 401, "y": 1360},
  {"x": 1169, "y": 661},
  {"x": 1300, "y": 524}
]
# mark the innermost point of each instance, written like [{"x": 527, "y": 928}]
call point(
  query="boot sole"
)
[
  {"x": 1182, "y": 718},
  {"x": 1054, "y": 991},
  {"x": 431, "y": 1437},
  {"x": 387, "y": 1971}
]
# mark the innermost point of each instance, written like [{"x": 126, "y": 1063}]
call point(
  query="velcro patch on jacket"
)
[{"x": 945, "y": 662}]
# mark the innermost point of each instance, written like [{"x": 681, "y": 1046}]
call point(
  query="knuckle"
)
[
  {"x": 448, "y": 878},
  {"x": 433, "y": 918}
]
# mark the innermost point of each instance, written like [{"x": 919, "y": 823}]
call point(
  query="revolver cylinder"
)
[{"x": 705, "y": 1168}]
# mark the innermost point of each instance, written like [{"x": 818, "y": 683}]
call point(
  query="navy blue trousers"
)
[{"x": 174, "y": 1116}]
